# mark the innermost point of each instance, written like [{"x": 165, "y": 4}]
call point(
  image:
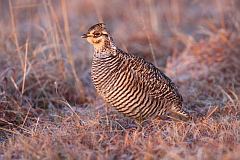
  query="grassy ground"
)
[{"x": 49, "y": 108}]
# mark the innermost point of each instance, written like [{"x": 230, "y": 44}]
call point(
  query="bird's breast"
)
[{"x": 104, "y": 74}]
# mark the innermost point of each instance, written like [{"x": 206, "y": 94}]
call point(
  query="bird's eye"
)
[{"x": 97, "y": 34}]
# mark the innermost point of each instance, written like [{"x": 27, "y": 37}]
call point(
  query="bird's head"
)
[{"x": 97, "y": 36}]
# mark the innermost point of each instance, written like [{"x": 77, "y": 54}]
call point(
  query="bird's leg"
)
[
  {"x": 107, "y": 113},
  {"x": 139, "y": 125},
  {"x": 139, "y": 121}
]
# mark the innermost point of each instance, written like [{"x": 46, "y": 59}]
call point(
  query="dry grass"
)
[{"x": 49, "y": 108}]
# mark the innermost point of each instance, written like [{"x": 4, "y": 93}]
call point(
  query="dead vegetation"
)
[{"x": 49, "y": 108}]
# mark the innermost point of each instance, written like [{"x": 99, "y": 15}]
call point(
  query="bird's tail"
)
[{"x": 177, "y": 113}]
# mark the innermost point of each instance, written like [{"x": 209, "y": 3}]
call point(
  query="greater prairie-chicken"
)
[{"x": 130, "y": 84}]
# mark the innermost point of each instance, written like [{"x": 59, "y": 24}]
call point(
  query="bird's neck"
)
[{"x": 107, "y": 49}]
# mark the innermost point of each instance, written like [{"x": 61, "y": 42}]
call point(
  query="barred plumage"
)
[{"x": 130, "y": 84}]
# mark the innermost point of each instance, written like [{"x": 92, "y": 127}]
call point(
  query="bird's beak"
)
[{"x": 84, "y": 36}]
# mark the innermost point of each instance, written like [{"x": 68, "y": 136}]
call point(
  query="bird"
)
[{"x": 129, "y": 83}]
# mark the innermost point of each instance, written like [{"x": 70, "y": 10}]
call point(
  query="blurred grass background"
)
[{"x": 48, "y": 105}]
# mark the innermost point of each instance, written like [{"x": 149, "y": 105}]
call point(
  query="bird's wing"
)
[{"x": 157, "y": 84}]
